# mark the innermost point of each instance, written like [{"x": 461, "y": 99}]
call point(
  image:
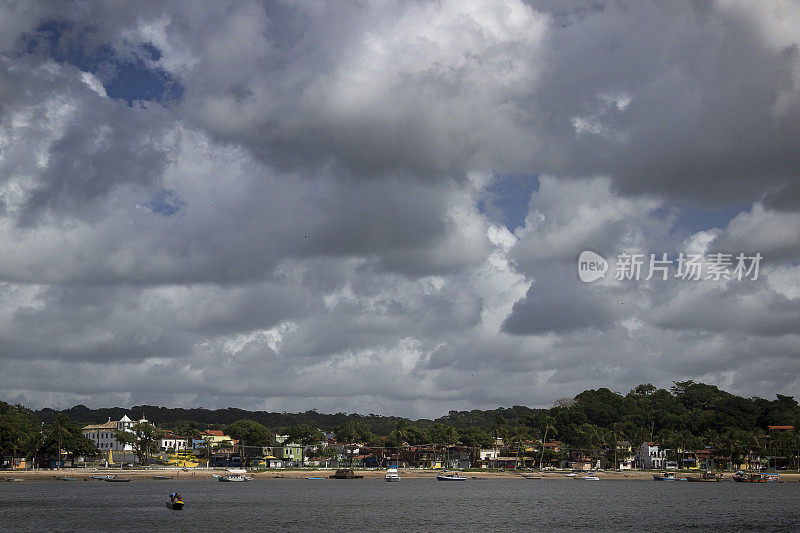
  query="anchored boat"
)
[
  {"x": 450, "y": 476},
  {"x": 754, "y": 477},
  {"x": 705, "y": 477},
  {"x": 665, "y": 476},
  {"x": 391, "y": 474}
]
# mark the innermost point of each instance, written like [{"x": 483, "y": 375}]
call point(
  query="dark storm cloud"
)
[
  {"x": 308, "y": 209},
  {"x": 675, "y": 99}
]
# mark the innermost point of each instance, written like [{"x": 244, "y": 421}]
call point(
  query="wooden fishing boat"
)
[
  {"x": 665, "y": 476},
  {"x": 754, "y": 477},
  {"x": 705, "y": 477}
]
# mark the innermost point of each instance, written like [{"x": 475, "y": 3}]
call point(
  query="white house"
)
[
  {"x": 103, "y": 434},
  {"x": 648, "y": 456},
  {"x": 172, "y": 442}
]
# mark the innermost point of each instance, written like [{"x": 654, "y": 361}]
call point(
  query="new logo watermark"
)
[
  {"x": 591, "y": 266},
  {"x": 686, "y": 266}
]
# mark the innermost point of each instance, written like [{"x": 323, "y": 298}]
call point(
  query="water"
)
[{"x": 411, "y": 504}]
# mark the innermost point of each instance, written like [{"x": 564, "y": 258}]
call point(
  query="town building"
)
[
  {"x": 172, "y": 442},
  {"x": 103, "y": 435},
  {"x": 648, "y": 456}
]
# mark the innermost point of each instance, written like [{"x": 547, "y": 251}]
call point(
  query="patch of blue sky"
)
[
  {"x": 166, "y": 202},
  {"x": 128, "y": 77},
  {"x": 691, "y": 219},
  {"x": 506, "y": 199}
]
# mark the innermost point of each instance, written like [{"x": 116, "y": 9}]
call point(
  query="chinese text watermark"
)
[{"x": 685, "y": 266}]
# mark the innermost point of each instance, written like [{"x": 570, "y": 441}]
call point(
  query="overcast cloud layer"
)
[{"x": 289, "y": 206}]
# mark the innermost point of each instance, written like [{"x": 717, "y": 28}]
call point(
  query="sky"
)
[{"x": 379, "y": 207}]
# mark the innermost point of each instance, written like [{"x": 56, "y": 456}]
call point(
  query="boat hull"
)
[
  {"x": 451, "y": 478},
  {"x": 175, "y": 506}
]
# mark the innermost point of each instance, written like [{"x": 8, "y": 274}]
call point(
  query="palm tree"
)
[
  {"x": 34, "y": 442},
  {"x": 548, "y": 426},
  {"x": 518, "y": 438},
  {"x": 60, "y": 430},
  {"x": 616, "y": 433}
]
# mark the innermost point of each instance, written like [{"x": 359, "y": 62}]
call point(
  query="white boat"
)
[
  {"x": 391, "y": 474},
  {"x": 450, "y": 476},
  {"x": 590, "y": 478},
  {"x": 232, "y": 478},
  {"x": 571, "y": 474}
]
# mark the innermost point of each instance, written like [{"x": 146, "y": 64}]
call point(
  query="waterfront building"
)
[
  {"x": 648, "y": 456},
  {"x": 103, "y": 435}
]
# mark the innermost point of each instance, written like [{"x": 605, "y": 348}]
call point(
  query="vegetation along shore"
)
[{"x": 690, "y": 427}]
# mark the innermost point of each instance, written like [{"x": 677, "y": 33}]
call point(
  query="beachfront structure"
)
[
  {"x": 215, "y": 437},
  {"x": 288, "y": 452},
  {"x": 172, "y": 442},
  {"x": 648, "y": 456},
  {"x": 625, "y": 463},
  {"x": 103, "y": 434}
]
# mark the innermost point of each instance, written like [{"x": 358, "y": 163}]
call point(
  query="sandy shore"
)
[{"x": 407, "y": 473}]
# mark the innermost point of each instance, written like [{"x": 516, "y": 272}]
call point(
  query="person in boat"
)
[
  {"x": 172, "y": 497},
  {"x": 178, "y": 498}
]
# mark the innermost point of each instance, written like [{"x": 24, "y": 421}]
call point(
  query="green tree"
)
[
  {"x": 143, "y": 437},
  {"x": 250, "y": 433},
  {"x": 548, "y": 428}
]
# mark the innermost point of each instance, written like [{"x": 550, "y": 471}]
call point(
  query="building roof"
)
[
  {"x": 104, "y": 425},
  {"x": 213, "y": 433},
  {"x": 780, "y": 427}
]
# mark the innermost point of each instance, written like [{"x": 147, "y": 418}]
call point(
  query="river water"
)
[{"x": 411, "y": 504}]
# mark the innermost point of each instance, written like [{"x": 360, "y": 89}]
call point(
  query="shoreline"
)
[{"x": 204, "y": 474}]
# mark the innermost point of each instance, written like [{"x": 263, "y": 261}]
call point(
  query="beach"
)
[{"x": 85, "y": 474}]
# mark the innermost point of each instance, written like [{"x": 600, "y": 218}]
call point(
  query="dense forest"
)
[{"x": 689, "y": 416}]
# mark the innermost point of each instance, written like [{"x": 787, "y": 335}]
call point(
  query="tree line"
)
[{"x": 686, "y": 416}]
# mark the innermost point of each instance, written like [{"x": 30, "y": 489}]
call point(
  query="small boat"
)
[
  {"x": 391, "y": 474},
  {"x": 664, "y": 476},
  {"x": 14, "y": 479},
  {"x": 175, "y": 505},
  {"x": 99, "y": 478},
  {"x": 64, "y": 478},
  {"x": 754, "y": 477},
  {"x": 315, "y": 478},
  {"x": 118, "y": 480},
  {"x": 531, "y": 476},
  {"x": 590, "y": 478},
  {"x": 235, "y": 478},
  {"x": 162, "y": 477},
  {"x": 450, "y": 476},
  {"x": 705, "y": 477},
  {"x": 571, "y": 474}
]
